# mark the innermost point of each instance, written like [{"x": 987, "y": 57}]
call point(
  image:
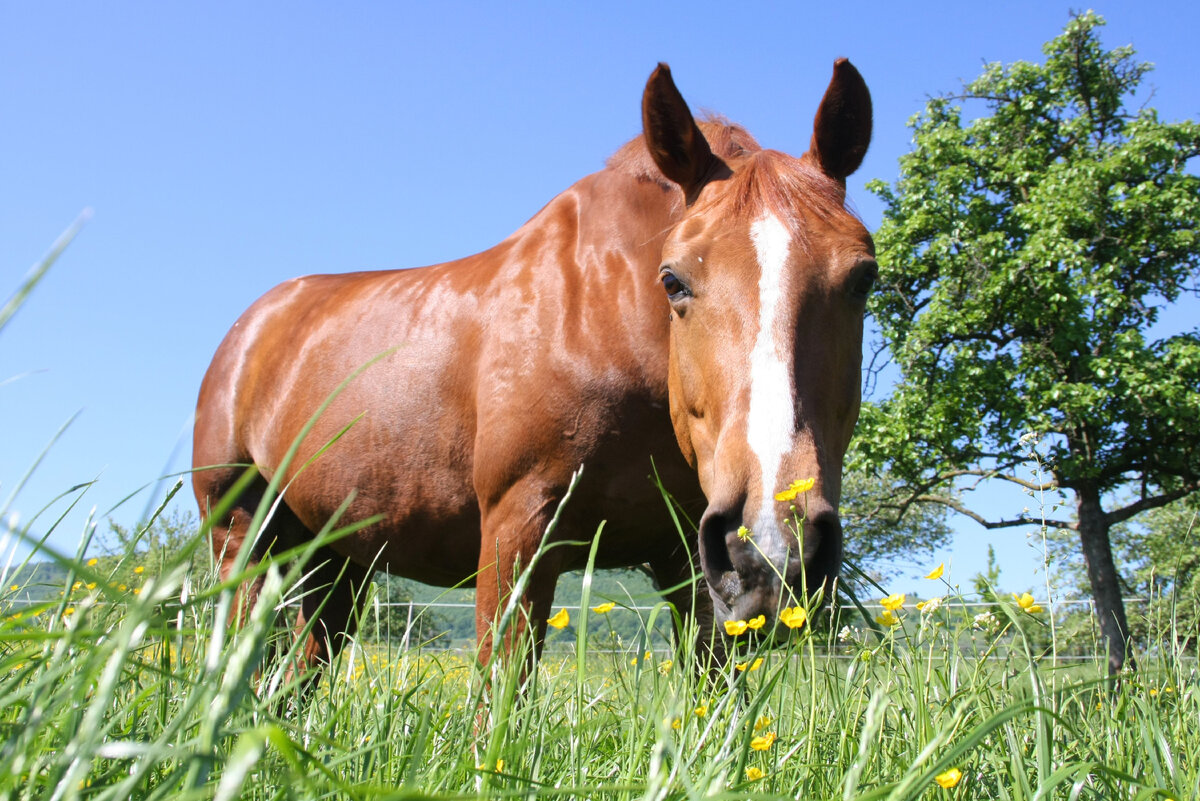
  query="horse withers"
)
[{"x": 694, "y": 308}]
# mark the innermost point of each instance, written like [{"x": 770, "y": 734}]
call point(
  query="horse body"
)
[{"x": 508, "y": 370}]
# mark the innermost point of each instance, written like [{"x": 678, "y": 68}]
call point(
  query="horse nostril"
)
[
  {"x": 823, "y": 548},
  {"x": 713, "y": 549}
]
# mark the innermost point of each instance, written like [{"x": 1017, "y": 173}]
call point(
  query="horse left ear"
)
[
  {"x": 842, "y": 128},
  {"x": 675, "y": 141}
]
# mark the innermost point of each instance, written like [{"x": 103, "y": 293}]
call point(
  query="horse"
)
[{"x": 693, "y": 310}]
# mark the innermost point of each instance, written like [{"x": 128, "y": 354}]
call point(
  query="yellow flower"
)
[
  {"x": 139, "y": 570},
  {"x": 93, "y": 562},
  {"x": 748, "y": 666},
  {"x": 664, "y": 667},
  {"x": 70, "y": 610},
  {"x": 744, "y": 533},
  {"x": 797, "y": 487},
  {"x": 701, "y": 710},
  {"x": 756, "y": 622},
  {"x": 736, "y": 627},
  {"x": 1025, "y": 601},
  {"x": 676, "y": 724},
  {"x": 887, "y": 618},
  {"x": 949, "y": 778},
  {"x": 603, "y": 608},
  {"x": 937, "y": 572},
  {"x": 560, "y": 620},
  {"x": 762, "y": 743},
  {"x": 762, "y": 723},
  {"x": 893, "y": 603},
  {"x": 753, "y": 774},
  {"x": 794, "y": 617},
  {"x": 14, "y": 588}
]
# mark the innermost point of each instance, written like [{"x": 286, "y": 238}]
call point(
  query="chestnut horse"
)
[{"x": 695, "y": 308}]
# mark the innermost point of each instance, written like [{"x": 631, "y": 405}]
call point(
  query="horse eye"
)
[
  {"x": 675, "y": 288},
  {"x": 865, "y": 281}
]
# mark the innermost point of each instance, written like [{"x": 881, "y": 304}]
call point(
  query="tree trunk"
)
[{"x": 1102, "y": 573}]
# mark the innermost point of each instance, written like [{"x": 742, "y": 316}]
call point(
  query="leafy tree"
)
[{"x": 1036, "y": 230}]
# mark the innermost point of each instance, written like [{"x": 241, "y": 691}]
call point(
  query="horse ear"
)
[
  {"x": 842, "y": 128},
  {"x": 675, "y": 142}
]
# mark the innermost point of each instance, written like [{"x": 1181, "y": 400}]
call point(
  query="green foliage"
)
[
  {"x": 1164, "y": 553},
  {"x": 1026, "y": 253},
  {"x": 1037, "y": 229},
  {"x": 1161, "y": 555}
]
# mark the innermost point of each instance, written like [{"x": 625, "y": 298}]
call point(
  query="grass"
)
[{"x": 109, "y": 695}]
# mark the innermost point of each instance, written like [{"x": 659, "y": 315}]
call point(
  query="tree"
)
[{"x": 1037, "y": 228}]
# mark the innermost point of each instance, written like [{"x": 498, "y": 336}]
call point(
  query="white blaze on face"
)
[{"x": 772, "y": 410}]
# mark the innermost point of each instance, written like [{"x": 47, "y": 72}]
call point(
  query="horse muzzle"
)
[{"x": 763, "y": 572}]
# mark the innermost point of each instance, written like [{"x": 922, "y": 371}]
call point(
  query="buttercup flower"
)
[
  {"x": 1026, "y": 603},
  {"x": 887, "y": 618},
  {"x": 701, "y": 710},
  {"x": 753, "y": 774},
  {"x": 763, "y": 742},
  {"x": 893, "y": 603},
  {"x": 756, "y": 622},
  {"x": 607, "y": 606},
  {"x": 560, "y": 620},
  {"x": 676, "y": 724},
  {"x": 762, "y": 723},
  {"x": 744, "y": 533},
  {"x": 93, "y": 562},
  {"x": 937, "y": 572},
  {"x": 797, "y": 487},
  {"x": 793, "y": 617},
  {"x": 139, "y": 570},
  {"x": 736, "y": 627},
  {"x": 949, "y": 778},
  {"x": 750, "y": 666}
]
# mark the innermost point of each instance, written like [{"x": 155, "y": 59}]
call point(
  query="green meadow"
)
[{"x": 125, "y": 682}]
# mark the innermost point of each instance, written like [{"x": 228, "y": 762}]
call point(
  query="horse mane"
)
[{"x": 764, "y": 181}]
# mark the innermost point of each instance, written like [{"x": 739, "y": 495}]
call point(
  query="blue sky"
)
[{"x": 226, "y": 147}]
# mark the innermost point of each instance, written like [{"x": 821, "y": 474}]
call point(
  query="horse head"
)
[{"x": 767, "y": 276}]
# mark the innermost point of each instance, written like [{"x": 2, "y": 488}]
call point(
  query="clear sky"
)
[{"x": 225, "y": 147}]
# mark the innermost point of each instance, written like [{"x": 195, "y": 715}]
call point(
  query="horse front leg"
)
[{"x": 514, "y": 587}]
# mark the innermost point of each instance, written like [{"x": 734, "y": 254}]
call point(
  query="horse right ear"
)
[{"x": 676, "y": 143}]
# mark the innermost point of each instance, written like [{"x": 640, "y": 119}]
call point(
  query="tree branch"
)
[
  {"x": 1143, "y": 504},
  {"x": 991, "y": 524}
]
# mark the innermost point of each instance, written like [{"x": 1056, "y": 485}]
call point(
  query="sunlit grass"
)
[{"x": 110, "y": 694}]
